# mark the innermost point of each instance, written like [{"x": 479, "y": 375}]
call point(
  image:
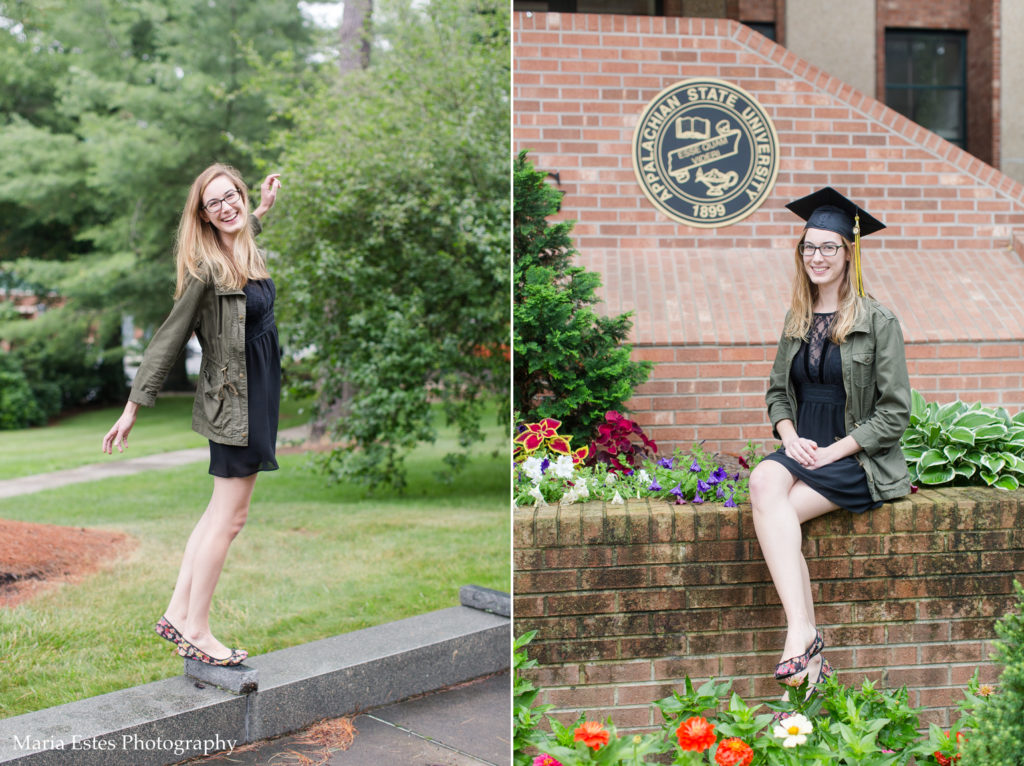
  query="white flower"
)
[
  {"x": 582, "y": 490},
  {"x": 793, "y": 730},
  {"x": 571, "y": 496},
  {"x": 617, "y": 500},
  {"x": 563, "y": 467},
  {"x": 532, "y": 468},
  {"x": 536, "y": 493},
  {"x": 644, "y": 477},
  {"x": 609, "y": 479}
]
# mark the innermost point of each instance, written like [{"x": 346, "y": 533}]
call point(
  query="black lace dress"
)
[
  {"x": 263, "y": 376},
  {"x": 817, "y": 375}
]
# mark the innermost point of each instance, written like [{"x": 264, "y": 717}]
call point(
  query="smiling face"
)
[
  {"x": 229, "y": 218},
  {"x": 825, "y": 271}
]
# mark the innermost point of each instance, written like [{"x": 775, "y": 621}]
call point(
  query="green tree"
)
[
  {"x": 393, "y": 234},
  {"x": 108, "y": 109},
  {"x": 570, "y": 363}
]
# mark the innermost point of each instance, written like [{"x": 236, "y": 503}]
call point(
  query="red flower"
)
[
  {"x": 941, "y": 759},
  {"x": 591, "y": 733},
  {"x": 696, "y": 734},
  {"x": 734, "y": 752}
]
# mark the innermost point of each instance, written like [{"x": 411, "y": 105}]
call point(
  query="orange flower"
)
[
  {"x": 696, "y": 734},
  {"x": 734, "y": 752},
  {"x": 591, "y": 733}
]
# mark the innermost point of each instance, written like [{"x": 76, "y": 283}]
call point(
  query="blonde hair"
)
[
  {"x": 197, "y": 249},
  {"x": 805, "y": 292}
]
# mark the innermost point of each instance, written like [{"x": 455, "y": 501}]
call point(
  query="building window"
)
[
  {"x": 925, "y": 79},
  {"x": 766, "y": 28}
]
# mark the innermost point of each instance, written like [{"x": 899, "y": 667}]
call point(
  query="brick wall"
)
[
  {"x": 715, "y": 393},
  {"x": 629, "y": 599},
  {"x": 709, "y": 303}
]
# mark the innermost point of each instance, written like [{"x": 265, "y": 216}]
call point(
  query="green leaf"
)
[
  {"x": 939, "y": 474},
  {"x": 954, "y": 453},
  {"x": 949, "y": 412},
  {"x": 988, "y": 477},
  {"x": 961, "y": 435},
  {"x": 975, "y": 419},
  {"x": 966, "y": 470},
  {"x": 990, "y": 432},
  {"x": 1006, "y": 481},
  {"x": 930, "y": 458},
  {"x": 992, "y": 463}
]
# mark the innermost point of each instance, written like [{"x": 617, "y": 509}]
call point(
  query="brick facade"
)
[
  {"x": 628, "y": 599},
  {"x": 708, "y": 303}
]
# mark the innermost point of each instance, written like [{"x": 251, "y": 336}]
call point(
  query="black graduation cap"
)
[{"x": 829, "y": 210}]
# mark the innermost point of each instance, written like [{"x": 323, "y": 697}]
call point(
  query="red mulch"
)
[{"x": 33, "y": 556}]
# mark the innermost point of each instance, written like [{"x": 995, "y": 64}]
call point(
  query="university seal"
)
[{"x": 705, "y": 153}]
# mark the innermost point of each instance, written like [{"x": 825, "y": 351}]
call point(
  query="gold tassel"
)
[{"x": 856, "y": 254}]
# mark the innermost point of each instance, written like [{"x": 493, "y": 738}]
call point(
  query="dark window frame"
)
[{"x": 909, "y": 35}]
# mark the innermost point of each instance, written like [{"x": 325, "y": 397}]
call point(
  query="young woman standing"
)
[{"x": 226, "y": 296}]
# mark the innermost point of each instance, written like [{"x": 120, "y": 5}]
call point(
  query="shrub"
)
[
  {"x": 18, "y": 405},
  {"x": 957, "y": 443},
  {"x": 995, "y": 728},
  {"x": 569, "y": 364}
]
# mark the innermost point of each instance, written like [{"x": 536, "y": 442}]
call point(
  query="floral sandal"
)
[
  {"x": 796, "y": 665},
  {"x": 191, "y": 652}
]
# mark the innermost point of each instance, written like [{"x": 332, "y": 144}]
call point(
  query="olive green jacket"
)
[
  {"x": 217, "y": 317},
  {"x": 877, "y": 396}
]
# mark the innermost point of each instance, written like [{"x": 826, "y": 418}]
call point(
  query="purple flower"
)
[
  {"x": 655, "y": 487},
  {"x": 629, "y": 472},
  {"x": 702, "y": 486},
  {"x": 697, "y": 498},
  {"x": 544, "y": 465},
  {"x": 695, "y": 466},
  {"x": 717, "y": 475},
  {"x": 665, "y": 462},
  {"x": 736, "y": 477},
  {"x": 718, "y": 492},
  {"x": 731, "y": 503},
  {"x": 677, "y": 490}
]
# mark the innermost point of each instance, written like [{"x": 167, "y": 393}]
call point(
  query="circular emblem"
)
[{"x": 705, "y": 153}]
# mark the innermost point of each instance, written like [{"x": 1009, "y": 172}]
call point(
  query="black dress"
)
[
  {"x": 817, "y": 374},
  {"x": 263, "y": 376}
]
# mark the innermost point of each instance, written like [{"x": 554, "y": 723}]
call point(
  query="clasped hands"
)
[{"x": 808, "y": 454}]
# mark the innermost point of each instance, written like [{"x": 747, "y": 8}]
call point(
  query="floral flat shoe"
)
[
  {"x": 796, "y": 665},
  {"x": 166, "y": 631},
  {"x": 191, "y": 652}
]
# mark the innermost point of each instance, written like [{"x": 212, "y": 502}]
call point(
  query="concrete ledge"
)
[
  {"x": 239, "y": 679},
  {"x": 478, "y": 597},
  {"x": 171, "y": 720}
]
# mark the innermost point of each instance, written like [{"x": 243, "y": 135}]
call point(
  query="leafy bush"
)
[
  {"x": 995, "y": 728},
  {"x": 18, "y": 405},
  {"x": 957, "y": 443},
  {"x": 569, "y": 364}
]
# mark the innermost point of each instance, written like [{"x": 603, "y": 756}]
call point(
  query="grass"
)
[
  {"x": 75, "y": 440},
  {"x": 313, "y": 561}
]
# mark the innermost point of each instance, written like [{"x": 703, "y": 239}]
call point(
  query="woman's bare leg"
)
[
  {"x": 781, "y": 504},
  {"x": 201, "y": 565}
]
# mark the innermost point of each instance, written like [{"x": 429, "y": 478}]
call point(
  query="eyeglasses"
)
[
  {"x": 828, "y": 249},
  {"x": 214, "y": 205}
]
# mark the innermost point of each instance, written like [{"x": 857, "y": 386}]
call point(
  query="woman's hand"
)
[
  {"x": 837, "y": 450},
  {"x": 118, "y": 435},
  {"x": 268, "y": 194},
  {"x": 802, "y": 450}
]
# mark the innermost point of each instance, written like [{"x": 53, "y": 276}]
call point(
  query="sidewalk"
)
[
  {"x": 467, "y": 725},
  {"x": 26, "y": 485}
]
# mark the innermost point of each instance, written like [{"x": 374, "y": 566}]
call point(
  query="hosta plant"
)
[{"x": 957, "y": 443}]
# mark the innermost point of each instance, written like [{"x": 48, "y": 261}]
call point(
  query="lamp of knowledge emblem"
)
[{"x": 705, "y": 153}]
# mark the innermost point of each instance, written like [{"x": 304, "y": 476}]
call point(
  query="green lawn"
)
[
  {"x": 313, "y": 561},
  {"x": 76, "y": 440}
]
